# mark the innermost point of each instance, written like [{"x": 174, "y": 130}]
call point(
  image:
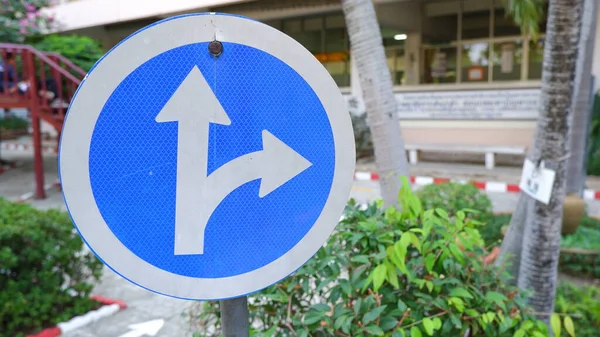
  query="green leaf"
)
[
  {"x": 437, "y": 323},
  {"x": 339, "y": 322},
  {"x": 458, "y": 303},
  {"x": 442, "y": 214},
  {"x": 399, "y": 333},
  {"x": 472, "y": 313},
  {"x": 321, "y": 307},
  {"x": 374, "y": 330},
  {"x": 392, "y": 276},
  {"x": 428, "y": 326},
  {"x": 456, "y": 252},
  {"x": 361, "y": 259},
  {"x": 357, "y": 305},
  {"x": 429, "y": 262},
  {"x": 270, "y": 332},
  {"x": 527, "y": 325},
  {"x": 461, "y": 292},
  {"x": 415, "y": 332},
  {"x": 519, "y": 333},
  {"x": 373, "y": 314},
  {"x": 414, "y": 239},
  {"x": 568, "y": 321},
  {"x": 497, "y": 298},
  {"x": 555, "y": 324},
  {"x": 313, "y": 317},
  {"x": 456, "y": 321},
  {"x": 379, "y": 276},
  {"x": 538, "y": 334},
  {"x": 388, "y": 323},
  {"x": 429, "y": 285},
  {"x": 401, "y": 305}
]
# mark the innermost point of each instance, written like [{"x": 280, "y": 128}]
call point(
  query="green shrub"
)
[
  {"x": 583, "y": 304},
  {"x": 13, "y": 123},
  {"x": 453, "y": 197},
  {"x": 389, "y": 273},
  {"x": 81, "y": 50},
  {"x": 44, "y": 274}
]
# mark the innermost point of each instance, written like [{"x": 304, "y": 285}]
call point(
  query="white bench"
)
[{"x": 489, "y": 151}]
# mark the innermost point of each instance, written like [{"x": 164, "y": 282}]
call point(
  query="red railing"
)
[{"x": 42, "y": 82}]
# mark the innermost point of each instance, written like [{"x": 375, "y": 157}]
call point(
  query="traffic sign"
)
[{"x": 206, "y": 175}]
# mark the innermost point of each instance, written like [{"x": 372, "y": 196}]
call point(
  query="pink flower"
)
[
  {"x": 23, "y": 30},
  {"x": 29, "y": 8},
  {"x": 30, "y": 15},
  {"x": 23, "y": 23}
]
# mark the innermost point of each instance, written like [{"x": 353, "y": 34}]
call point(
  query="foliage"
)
[
  {"x": 22, "y": 18},
  {"x": 586, "y": 237},
  {"x": 13, "y": 123},
  {"x": 44, "y": 276},
  {"x": 593, "y": 165},
  {"x": 527, "y": 14},
  {"x": 453, "y": 197},
  {"x": 391, "y": 273},
  {"x": 491, "y": 231},
  {"x": 81, "y": 50},
  {"x": 583, "y": 302}
]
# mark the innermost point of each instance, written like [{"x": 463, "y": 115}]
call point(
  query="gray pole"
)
[{"x": 234, "y": 317}]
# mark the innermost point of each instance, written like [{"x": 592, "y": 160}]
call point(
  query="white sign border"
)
[{"x": 113, "y": 68}]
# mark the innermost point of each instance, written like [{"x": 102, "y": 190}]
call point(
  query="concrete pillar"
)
[{"x": 412, "y": 54}]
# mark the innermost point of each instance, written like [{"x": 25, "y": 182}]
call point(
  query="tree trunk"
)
[
  {"x": 377, "y": 89},
  {"x": 582, "y": 105},
  {"x": 541, "y": 241}
]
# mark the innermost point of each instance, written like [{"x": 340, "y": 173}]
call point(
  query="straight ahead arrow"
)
[{"x": 149, "y": 328}]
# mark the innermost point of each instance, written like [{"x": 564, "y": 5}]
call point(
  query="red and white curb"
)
[
  {"x": 27, "y": 147},
  {"x": 109, "y": 307},
  {"x": 30, "y": 195},
  {"x": 488, "y": 186}
]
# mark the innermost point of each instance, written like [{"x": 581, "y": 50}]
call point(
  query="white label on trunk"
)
[{"x": 537, "y": 181}]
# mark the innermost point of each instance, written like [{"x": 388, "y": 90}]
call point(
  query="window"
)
[
  {"x": 536, "y": 59},
  {"x": 440, "y": 64},
  {"x": 475, "y": 60},
  {"x": 506, "y": 59},
  {"x": 395, "y": 61}
]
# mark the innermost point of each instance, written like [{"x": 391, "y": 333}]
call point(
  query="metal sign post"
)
[
  {"x": 206, "y": 157},
  {"x": 234, "y": 317}
]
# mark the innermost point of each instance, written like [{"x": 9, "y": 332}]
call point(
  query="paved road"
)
[{"x": 144, "y": 305}]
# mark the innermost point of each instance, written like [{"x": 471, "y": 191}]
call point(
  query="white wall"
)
[{"x": 91, "y": 13}]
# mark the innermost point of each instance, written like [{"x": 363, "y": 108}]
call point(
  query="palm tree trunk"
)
[
  {"x": 582, "y": 105},
  {"x": 541, "y": 241},
  {"x": 377, "y": 89}
]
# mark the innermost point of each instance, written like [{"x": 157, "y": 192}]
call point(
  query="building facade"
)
[{"x": 463, "y": 72}]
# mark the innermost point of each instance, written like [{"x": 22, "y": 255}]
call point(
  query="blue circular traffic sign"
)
[{"x": 201, "y": 176}]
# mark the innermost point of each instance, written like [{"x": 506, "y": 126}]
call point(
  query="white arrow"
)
[
  {"x": 197, "y": 195},
  {"x": 193, "y": 106},
  {"x": 149, "y": 328}
]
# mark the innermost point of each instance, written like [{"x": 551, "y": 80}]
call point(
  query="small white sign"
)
[{"x": 537, "y": 181}]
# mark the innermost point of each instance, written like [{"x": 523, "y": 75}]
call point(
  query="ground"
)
[{"x": 144, "y": 306}]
